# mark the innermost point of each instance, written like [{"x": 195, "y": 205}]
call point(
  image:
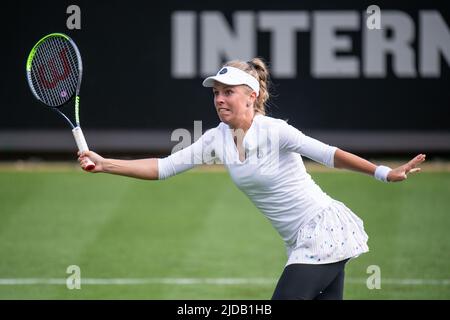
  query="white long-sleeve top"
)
[{"x": 272, "y": 175}]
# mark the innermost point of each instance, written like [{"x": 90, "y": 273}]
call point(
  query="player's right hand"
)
[{"x": 94, "y": 157}]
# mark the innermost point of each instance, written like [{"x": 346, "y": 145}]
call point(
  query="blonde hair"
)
[{"x": 258, "y": 69}]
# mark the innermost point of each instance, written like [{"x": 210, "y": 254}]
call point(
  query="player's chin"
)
[{"x": 225, "y": 118}]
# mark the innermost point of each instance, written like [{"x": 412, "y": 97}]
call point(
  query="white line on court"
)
[{"x": 202, "y": 281}]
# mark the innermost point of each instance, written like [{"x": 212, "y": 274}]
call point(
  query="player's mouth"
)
[{"x": 222, "y": 109}]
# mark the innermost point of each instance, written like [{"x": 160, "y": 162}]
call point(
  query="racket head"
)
[{"x": 54, "y": 69}]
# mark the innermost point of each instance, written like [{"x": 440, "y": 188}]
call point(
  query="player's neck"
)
[{"x": 244, "y": 122}]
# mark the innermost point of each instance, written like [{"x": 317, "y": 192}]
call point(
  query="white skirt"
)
[{"x": 334, "y": 234}]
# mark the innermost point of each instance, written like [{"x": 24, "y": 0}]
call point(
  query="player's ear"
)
[{"x": 252, "y": 99}]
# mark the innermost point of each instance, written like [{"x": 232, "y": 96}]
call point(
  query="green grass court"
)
[{"x": 191, "y": 236}]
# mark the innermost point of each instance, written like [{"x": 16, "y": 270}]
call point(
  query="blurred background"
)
[
  {"x": 380, "y": 91},
  {"x": 366, "y": 90}
]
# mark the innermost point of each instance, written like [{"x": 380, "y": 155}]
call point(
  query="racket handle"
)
[{"x": 82, "y": 146}]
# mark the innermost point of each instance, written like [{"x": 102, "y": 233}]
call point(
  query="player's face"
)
[{"x": 231, "y": 102}]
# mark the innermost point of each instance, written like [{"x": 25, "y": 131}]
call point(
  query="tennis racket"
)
[{"x": 54, "y": 71}]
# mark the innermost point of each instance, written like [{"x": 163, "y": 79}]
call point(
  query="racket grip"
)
[{"x": 82, "y": 146}]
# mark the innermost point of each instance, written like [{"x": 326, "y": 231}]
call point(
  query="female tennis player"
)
[{"x": 264, "y": 158}]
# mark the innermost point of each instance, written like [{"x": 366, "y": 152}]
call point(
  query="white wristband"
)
[{"x": 381, "y": 173}]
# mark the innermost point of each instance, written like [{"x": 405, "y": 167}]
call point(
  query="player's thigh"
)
[
  {"x": 306, "y": 281},
  {"x": 335, "y": 290}
]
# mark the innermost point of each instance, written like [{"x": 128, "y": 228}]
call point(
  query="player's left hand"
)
[{"x": 401, "y": 173}]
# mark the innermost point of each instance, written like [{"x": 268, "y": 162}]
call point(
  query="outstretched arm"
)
[
  {"x": 347, "y": 160},
  {"x": 141, "y": 169}
]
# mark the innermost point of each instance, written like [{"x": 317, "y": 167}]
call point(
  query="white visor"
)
[{"x": 233, "y": 76}]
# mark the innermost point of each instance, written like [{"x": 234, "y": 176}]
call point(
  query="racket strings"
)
[
  {"x": 49, "y": 53},
  {"x": 38, "y": 60},
  {"x": 41, "y": 72},
  {"x": 73, "y": 63},
  {"x": 60, "y": 46},
  {"x": 39, "y": 65},
  {"x": 55, "y": 71}
]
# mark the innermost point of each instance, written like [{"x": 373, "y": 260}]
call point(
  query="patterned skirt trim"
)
[{"x": 334, "y": 234}]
